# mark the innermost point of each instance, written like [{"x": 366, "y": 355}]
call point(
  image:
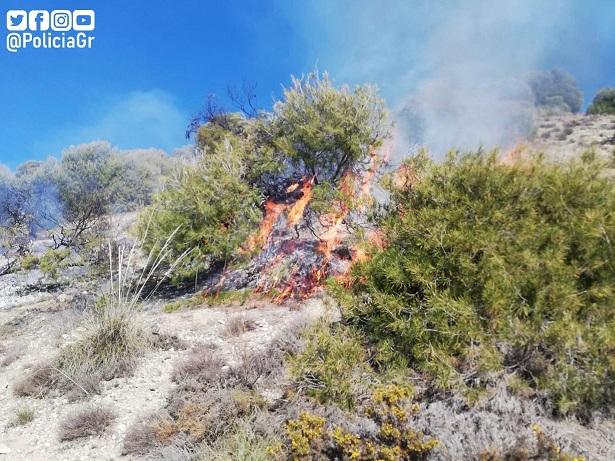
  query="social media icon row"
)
[{"x": 58, "y": 20}]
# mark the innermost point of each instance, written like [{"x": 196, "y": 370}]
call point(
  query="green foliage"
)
[
  {"x": 332, "y": 367},
  {"x": 143, "y": 174},
  {"x": 603, "y": 102},
  {"x": 309, "y": 437},
  {"x": 326, "y": 130},
  {"x": 23, "y": 416},
  {"x": 242, "y": 443},
  {"x": 556, "y": 89},
  {"x": 28, "y": 262},
  {"x": 488, "y": 264},
  {"x": 53, "y": 261},
  {"x": 212, "y": 206}
]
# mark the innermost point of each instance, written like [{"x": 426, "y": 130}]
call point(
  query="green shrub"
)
[
  {"x": 488, "y": 264},
  {"x": 325, "y": 130},
  {"x": 29, "y": 262},
  {"x": 310, "y": 437},
  {"x": 603, "y": 103},
  {"x": 23, "y": 416},
  {"x": 332, "y": 367},
  {"x": 53, "y": 261},
  {"x": 213, "y": 206}
]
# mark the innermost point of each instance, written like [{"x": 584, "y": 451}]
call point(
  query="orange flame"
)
[
  {"x": 298, "y": 208},
  {"x": 272, "y": 211}
]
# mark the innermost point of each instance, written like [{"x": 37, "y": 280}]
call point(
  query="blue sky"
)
[{"x": 154, "y": 62}]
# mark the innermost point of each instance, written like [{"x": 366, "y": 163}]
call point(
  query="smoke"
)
[{"x": 454, "y": 72}]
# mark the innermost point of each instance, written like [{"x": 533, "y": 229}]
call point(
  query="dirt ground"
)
[{"x": 38, "y": 326}]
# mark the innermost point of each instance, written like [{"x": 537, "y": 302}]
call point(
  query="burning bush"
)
[
  {"x": 314, "y": 144},
  {"x": 490, "y": 265}
]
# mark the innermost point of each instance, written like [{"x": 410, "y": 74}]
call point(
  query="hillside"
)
[{"x": 225, "y": 363}]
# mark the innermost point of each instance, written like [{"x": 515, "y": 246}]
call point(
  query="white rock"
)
[{"x": 4, "y": 450}]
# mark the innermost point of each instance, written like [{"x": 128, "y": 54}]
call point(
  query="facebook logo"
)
[
  {"x": 38, "y": 20},
  {"x": 84, "y": 20}
]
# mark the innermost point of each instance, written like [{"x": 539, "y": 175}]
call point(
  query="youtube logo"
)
[{"x": 84, "y": 20}]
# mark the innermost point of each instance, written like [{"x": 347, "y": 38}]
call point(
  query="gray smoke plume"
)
[{"x": 454, "y": 72}]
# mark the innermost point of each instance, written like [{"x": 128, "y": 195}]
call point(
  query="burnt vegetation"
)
[{"x": 473, "y": 279}]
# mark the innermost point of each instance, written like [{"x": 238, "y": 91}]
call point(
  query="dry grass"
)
[
  {"x": 47, "y": 379},
  {"x": 114, "y": 338},
  {"x": 86, "y": 422},
  {"x": 202, "y": 365},
  {"x": 9, "y": 357},
  {"x": 23, "y": 416},
  {"x": 238, "y": 325},
  {"x": 143, "y": 436}
]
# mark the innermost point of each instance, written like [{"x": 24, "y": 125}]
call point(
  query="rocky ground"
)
[
  {"x": 36, "y": 326},
  {"x": 563, "y": 136}
]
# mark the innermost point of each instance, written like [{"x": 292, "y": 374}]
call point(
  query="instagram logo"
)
[{"x": 61, "y": 20}]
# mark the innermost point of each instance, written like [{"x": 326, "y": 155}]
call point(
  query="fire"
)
[
  {"x": 273, "y": 210},
  {"x": 512, "y": 155},
  {"x": 298, "y": 208},
  {"x": 294, "y": 264}
]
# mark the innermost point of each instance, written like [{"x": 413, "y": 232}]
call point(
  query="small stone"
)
[{"x": 4, "y": 450}]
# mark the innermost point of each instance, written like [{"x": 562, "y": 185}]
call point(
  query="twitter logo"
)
[{"x": 16, "y": 20}]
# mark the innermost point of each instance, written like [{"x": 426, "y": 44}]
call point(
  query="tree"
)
[
  {"x": 603, "y": 102},
  {"x": 143, "y": 174},
  {"x": 15, "y": 221},
  {"x": 87, "y": 178},
  {"x": 556, "y": 89},
  {"x": 326, "y": 131}
]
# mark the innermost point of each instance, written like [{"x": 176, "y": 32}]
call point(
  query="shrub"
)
[
  {"x": 201, "y": 365},
  {"x": 556, "y": 89},
  {"x": 308, "y": 436},
  {"x": 238, "y": 325},
  {"x": 109, "y": 350},
  {"x": 86, "y": 422},
  {"x": 23, "y": 416},
  {"x": 242, "y": 443},
  {"x": 29, "y": 262},
  {"x": 488, "y": 264},
  {"x": 148, "y": 434},
  {"x": 327, "y": 131},
  {"x": 53, "y": 261},
  {"x": 214, "y": 208},
  {"x": 332, "y": 365},
  {"x": 603, "y": 102}
]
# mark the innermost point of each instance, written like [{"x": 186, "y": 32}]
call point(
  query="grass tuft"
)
[{"x": 86, "y": 422}]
